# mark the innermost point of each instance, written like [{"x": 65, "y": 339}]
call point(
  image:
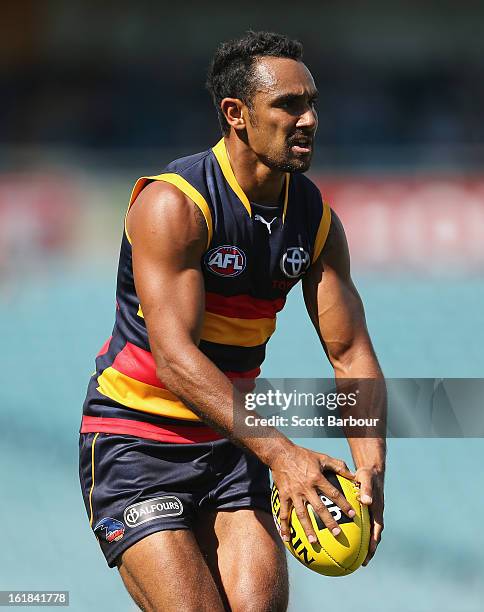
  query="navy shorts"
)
[{"x": 133, "y": 487}]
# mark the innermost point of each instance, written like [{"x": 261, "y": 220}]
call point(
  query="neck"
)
[{"x": 260, "y": 183}]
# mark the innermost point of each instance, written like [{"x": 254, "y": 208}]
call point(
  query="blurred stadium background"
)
[{"x": 94, "y": 95}]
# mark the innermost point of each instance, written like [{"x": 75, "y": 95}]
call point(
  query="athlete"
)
[{"x": 178, "y": 500}]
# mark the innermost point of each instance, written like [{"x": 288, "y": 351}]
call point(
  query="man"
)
[{"x": 205, "y": 264}]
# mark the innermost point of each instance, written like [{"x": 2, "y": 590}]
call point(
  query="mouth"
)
[{"x": 302, "y": 146}]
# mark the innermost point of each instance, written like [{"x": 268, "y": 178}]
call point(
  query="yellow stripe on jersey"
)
[
  {"x": 140, "y": 396},
  {"x": 236, "y": 332},
  {"x": 233, "y": 331},
  {"x": 185, "y": 187},
  {"x": 323, "y": 231},
  {"x": 286, "y": 196},
  {"x": 220, "y": 152},
  {"x": 91, "y": 514},
  {"x": 194, "y": 195}
]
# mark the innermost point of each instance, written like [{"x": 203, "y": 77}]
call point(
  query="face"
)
[{"x": 282, "y": 119}]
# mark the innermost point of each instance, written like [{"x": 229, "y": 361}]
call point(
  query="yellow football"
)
[{"x": 330, "y": 556}]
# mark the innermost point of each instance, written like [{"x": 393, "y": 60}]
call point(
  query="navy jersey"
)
[{"x": 249, "y": 266}]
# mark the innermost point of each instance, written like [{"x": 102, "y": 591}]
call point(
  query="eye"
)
[{"x": 287, "y": 104}]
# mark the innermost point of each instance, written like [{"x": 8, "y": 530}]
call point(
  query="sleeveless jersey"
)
[{"x": 249, "y": 266}]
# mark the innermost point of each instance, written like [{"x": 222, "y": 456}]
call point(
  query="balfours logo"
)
[
  {"x": 158, "y": 507},
  {"x": 226, "y": 260}
]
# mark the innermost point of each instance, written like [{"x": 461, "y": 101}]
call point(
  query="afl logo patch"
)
[
  {"x": 295, "y": 262},
  {"x": 226, "y": 260}
]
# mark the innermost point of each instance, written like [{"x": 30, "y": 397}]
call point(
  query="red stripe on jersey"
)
[
  {"x": 105, "y": 347},
  {"x": 179, "y": 434},
  {"x": 248, "y": 374},
  {"x": 243, "y": 306},
  {"x": 244, "y": 381},
  {"x": 139, "y": 364}
]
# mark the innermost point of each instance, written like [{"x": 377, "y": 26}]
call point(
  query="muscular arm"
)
[
  {"x": 169, "y": 236},
  {"x": 337, "y": 313}
]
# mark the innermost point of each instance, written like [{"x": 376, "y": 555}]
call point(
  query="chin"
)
[
  {"x": 295, "y": 166},
  {"x": 301, "y": 167}
]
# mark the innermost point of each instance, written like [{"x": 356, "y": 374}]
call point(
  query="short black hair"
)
[{"x": 231, "y": 72}]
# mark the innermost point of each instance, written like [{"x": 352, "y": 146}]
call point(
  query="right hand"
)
[{"x": 298, "y": 475}]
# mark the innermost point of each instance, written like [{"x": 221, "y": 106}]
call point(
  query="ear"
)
[{"x": 234, "y": 111}]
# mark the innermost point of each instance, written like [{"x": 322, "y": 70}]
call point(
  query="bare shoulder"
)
[
  {"x": 163, "y": 211},
  {"x": 335, "y": 252},
  {"x": 336, "y": 235}
]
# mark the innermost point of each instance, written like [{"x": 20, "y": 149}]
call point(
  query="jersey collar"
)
[{"x": 220, "y": 152}]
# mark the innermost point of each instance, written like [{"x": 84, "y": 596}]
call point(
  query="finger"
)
[
  {"x": 374, "y": 541},
  {"x": 284, "y": 514},
  {"x": 366, "y": 487},
  {"x": 368, "y": 558},
  {"x": 336, "y": 465},
  {"x": 334, "y": 495},
  {"x": 303, "y": 516},
  {"x": 371, "y": 551},
  {"x": 323, "y": 513}
]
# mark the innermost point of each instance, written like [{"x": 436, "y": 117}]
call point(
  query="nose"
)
[{"x": 309, "y": 119}]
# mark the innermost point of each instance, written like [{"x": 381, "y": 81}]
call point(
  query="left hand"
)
[{"x": 371, "y": 494}]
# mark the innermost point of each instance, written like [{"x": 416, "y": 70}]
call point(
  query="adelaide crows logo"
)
[
  {"x": 110, "y": 529},
  {"x": 295, "y": 262}
]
